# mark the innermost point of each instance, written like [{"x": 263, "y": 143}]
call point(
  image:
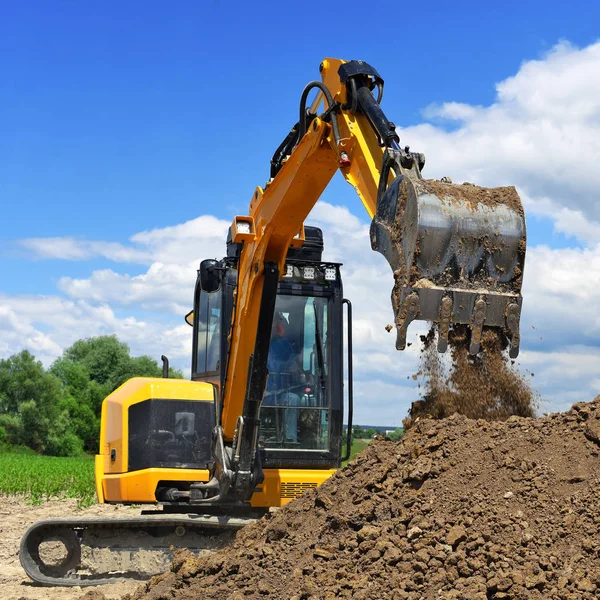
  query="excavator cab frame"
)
[{"x": 311, "y": 293}]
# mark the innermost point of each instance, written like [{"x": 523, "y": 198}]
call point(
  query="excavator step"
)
[{"x": 98, "y": 551}]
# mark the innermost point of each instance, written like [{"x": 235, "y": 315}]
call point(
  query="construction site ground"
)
[{"x": 16, "y": 515}]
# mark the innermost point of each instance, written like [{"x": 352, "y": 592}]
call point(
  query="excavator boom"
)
[{"x": 456, "y": 252}]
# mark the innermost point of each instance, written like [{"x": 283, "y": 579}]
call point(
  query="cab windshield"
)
[{"x": 295, "y": 408}]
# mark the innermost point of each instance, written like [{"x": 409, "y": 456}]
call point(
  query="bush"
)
[{"x": 64, "y": 444}]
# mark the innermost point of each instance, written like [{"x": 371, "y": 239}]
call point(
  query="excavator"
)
[{"x": 262, "y": 418}]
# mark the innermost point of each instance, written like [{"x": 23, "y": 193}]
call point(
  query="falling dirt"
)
[
  {"x": 458, "y": 509},
  {"x": 485, "y": 386}
]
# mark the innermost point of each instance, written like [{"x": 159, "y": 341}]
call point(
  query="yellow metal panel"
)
[
  {"x": 290, "y": 480},
  {"x": 359, "y": 141},
  {"x": 114, "y": 436},
  {"x": 139, "y": 486},
  {"x": 98, "y": 473},
  {"x": 115, "y": 430}
]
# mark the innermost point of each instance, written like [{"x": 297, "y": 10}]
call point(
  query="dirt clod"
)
[{"x": 452, "y": 534}]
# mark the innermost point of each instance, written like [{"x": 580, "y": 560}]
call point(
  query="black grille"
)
[
  {"x": 295, "y": 489},
  {"x": 170, "y": 433}
]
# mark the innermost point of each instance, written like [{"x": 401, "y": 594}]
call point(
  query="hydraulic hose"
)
[{"x": 303, "y": 116}]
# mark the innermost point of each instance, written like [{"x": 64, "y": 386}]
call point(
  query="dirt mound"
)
[
  {"x": 485, "y": 386},
  {"x": 457, "y": 509}
]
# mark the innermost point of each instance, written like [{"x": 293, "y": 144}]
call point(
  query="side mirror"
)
[{"x": 210, "y": 279}]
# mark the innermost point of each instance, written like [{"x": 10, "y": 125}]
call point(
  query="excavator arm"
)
[{"x": 456, "y": 252}]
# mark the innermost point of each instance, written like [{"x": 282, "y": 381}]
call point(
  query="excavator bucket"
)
[{"x": 457, "y": 253}]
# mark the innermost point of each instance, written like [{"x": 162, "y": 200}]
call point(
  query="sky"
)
[{"x": 132, "y": 132}]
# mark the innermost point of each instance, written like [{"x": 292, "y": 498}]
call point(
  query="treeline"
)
[
  {"x": 56, "y": 411},
  {"x": 360, "y": 433}
]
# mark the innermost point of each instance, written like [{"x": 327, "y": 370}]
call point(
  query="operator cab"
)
[{"x": 302, "y": 411}]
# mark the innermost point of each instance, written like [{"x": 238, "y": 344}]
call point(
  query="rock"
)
[
  {"x": 93, "y": 595},
  {"x": 534, "y": 580},
  {"x": 585, "y": 585},
  {"x": 592, "y": 432},
  {"x": 322, "y": 553},
  {"x": 369, "y": 532},
  {"x": 456, "y": 535}
]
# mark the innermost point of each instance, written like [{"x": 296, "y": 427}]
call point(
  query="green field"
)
[
  {"x": 39, "y": 478},
  {"x": 43, "y": 477},
  {"x": 357, "y": 447}
]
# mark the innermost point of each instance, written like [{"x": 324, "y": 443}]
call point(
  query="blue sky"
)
[{"x": 121, "y": 118}]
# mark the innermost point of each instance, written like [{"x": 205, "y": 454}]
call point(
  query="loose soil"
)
[
  {"x": 458, "y": 509},
  {"x": 485, "y": 386},
  {"x": 16, "y": 515},
  {"x": 473, "y": 195}
]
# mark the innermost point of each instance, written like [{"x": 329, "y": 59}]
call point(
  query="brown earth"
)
[
  {"x": 473, "y": 195},
  {"x": 485, "y": 386},
  {"x": 16, "y": 515},
  {"x": 457, "y": 509}
]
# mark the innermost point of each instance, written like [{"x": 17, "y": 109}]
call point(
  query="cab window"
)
[{"x": 208, "y": 332}]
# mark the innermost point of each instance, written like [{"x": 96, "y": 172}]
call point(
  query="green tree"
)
[
  {"x": 89, "y": 371},
  {"x": 358, "y": 433},
  {"x": 104, "y": 358},
  {"x": 58, "y": 411},
  {"x": 107, "y": 363},
  {"x": 31, "y": 397},
  {"x": 396, "y": 434},
  {"x": 62, "y": 439}
]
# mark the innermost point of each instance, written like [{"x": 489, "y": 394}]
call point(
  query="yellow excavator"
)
[{"x": 262, "y": 418}]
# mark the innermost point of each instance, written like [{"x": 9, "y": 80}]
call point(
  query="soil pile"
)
[
  {"x": 457, "y": 509},
  {"x": 485, "y": 386}
]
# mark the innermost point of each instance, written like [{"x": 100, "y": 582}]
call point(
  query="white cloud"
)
[
  {"x": 542, "y": 134},
  {"x": 164, "y": 287},
  {"x": 197, "y": 237},
  {"x": 46, "y": 325}
]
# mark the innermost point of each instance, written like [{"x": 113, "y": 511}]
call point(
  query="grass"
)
[
  {"x": 39, "y": 478},
  {"x": 357, "y": 447}
]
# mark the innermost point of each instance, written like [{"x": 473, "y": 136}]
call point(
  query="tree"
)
[
  {"x": 107, "y": 363},
  {"x": 89, "y": 371},
  {"x": 396, "y": 434},
  {"x": 358, "y": 433},
  {"x": 58, "y": 411},
  {"x": 29, "y": 399},
  {"x": 104, "y": 358}
]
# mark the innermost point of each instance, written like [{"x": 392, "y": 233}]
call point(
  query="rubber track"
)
[{"x": 70, "y": 532}]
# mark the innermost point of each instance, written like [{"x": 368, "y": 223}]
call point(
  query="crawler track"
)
[{"x": 98, "y": 551}]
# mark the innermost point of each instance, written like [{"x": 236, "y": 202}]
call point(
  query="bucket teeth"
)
[
  {"x": 445, "y": 320},
  {"x": 513, "y": 314},
  {"x": 477, "y": 325},
  {"x": 410, "y": 310}
]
